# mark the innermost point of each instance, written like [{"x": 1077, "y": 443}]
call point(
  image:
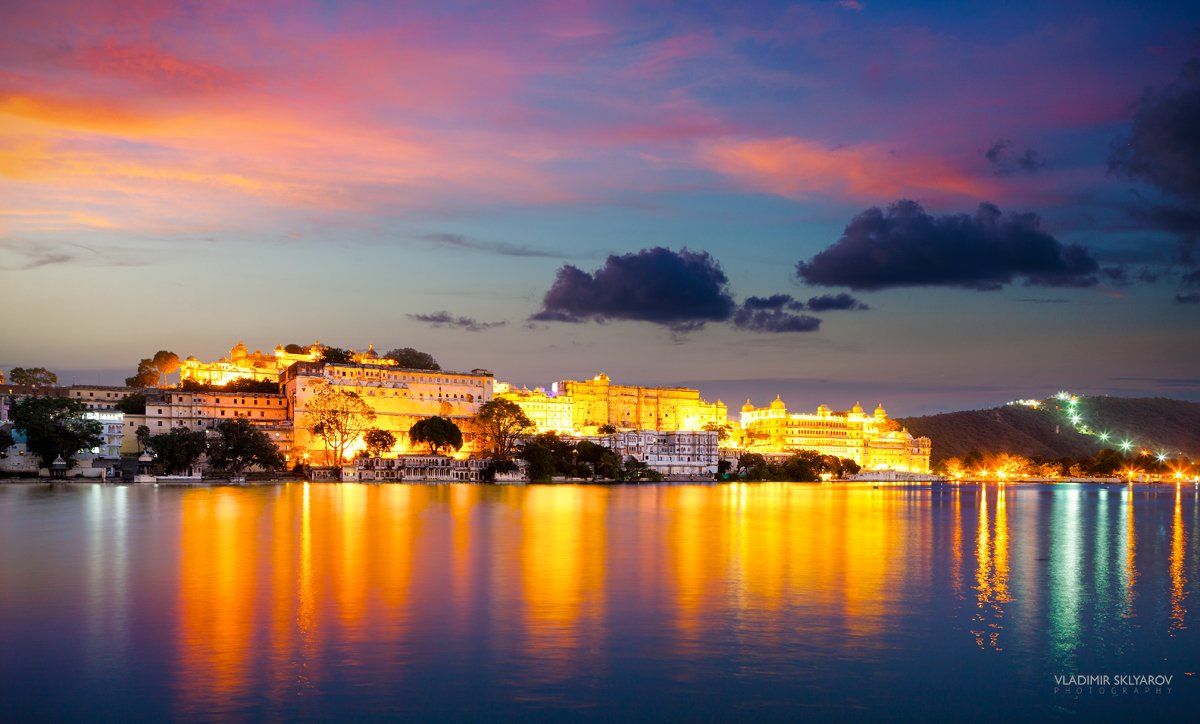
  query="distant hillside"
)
[{"x": 1156, "y": 423}]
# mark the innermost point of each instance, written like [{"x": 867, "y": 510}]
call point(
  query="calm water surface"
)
[{"x": 758, "y": 601}]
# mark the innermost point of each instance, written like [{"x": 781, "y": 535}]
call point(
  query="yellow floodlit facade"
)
[
  {"x": 242, "y": 364},
  {"x": 548, "y": 412},
  {"x": 871, "y": 440},
  {"x": 580, "y": 407},
  {"x": 399, "y": 397}
]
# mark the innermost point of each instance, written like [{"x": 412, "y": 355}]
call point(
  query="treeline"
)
[
  {"x": 1105, "y": 463},
  {"x": 236, "y": 447},
  {"x": 550, "y": 455},
  {"x": 806, "y": 466}
]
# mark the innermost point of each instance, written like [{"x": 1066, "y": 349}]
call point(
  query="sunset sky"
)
[{"x": 929, "y": 205}]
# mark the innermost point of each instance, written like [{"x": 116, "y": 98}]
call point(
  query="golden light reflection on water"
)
[
  {"x": 1129, "y": 543},
  {"x": 563, "y": 558},
  {"x": 1178, "y": 580},
  {"x": 219, "y": 550},
  {"x": 284, "y": 589},
  {"x": 992, "y": 570}
]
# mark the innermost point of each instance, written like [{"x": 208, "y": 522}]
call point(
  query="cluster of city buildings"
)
[{"x": 672, "y": 429}]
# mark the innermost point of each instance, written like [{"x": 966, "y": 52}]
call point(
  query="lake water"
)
[{"x": 747, "y": 601}]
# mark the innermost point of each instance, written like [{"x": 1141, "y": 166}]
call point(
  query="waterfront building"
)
[
  {"x": 99, "y": 397},
  {"x": 204, "y": 410},
  {"x": 550, "y": 413},
  {"x": 428, "y": 468},
  {"x": 242, "y": 364},
  {"x": 676, "y": 454},
  {"x": 599, "y": 401},
  {"x": 399, "y": 397},
  {"x": 107, "y": 455},
  {"x": 872, "y": 440}
]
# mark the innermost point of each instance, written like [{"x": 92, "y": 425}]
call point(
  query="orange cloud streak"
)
[{"x": 800, "y": 168}]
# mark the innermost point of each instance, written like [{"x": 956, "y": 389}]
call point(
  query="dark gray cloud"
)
[
  {"x": 447, "y": 320},
  {"x": 1005, "y": 160},
  {"x": 905, "y": 246},
  {"x": 775, "y": 301},
  {"x": 819, "y": 303},
  {"x": 1163, "y": 150},
  {"x": 774, "y": 314},
  {"x": 682, "y": 290},
  {"x": 442, "y": 240},
  {"x": 774, "y": 320},
  {"x": 832, "y": 302},
  {"x": 1188, "y": 298},
  {"x": 1031, "y": 300}
]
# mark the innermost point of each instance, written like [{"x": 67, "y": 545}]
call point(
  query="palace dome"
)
[
  {"x": 777, "y": 404},
  {"x": 857, "y": 408},
  {"x": 747, "y": 407}
]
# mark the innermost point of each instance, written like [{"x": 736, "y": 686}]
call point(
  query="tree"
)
[
  {"x": 132, "y": 404},
  {"x": 147, "y": 375},
  {"x": 723, "y": 468},
  {"x": 6, "y": 441},
  {"x": 413, "y": 359},
  {"x": 549, "y": 455},
  {"x": 635, "y": 471},
  {"x": 294, "y": 349},
  {"x": 379, "y": 441},
  {"x": 178, "y": 449},
  {"x": 724, "y": 432},
  {"x": 245, "y": 384},
  {"x": 32, "y": 377},
  {"x": 954, "y": 469},
  {"x": 336, "y": 356},
  {"x": 437, "y": 433},
  {"x": 500, "y": 424},
  {"x": 603, "y": 462},
  {"x": 607, "y": 429},
  {"x": 143, "y": 437},
  {"x": 338, "y": 418},
  {"x": 240, "y": 446},
  {"x": 165, "y": 362},
  {"x": 55, "y": 426}
]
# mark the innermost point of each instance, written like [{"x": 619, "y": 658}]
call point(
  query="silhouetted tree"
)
[
  {"x": 239, "y": 446},
  {"x": 437, "y": 433},
  {"x": 413, "y": 359}
]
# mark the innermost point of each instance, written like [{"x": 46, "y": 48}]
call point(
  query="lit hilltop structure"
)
[{"x": 242, "y": 364}]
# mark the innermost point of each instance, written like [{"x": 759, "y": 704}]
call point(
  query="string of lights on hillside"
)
[{"x": 1069, "y": 404}]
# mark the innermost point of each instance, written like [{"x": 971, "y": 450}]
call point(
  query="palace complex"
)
[
  {"x": 672, "y": 428},
  {"x": 873, "y": 441},
  {"x": 242, "y": 364}
]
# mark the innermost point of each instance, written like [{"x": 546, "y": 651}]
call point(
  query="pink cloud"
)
[{"x": 800, "y": 168}]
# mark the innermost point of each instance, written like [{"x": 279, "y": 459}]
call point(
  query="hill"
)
[{"x": 1154, "y": 423}]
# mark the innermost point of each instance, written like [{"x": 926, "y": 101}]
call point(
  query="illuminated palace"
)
[
  {"x": 242, "y": 364},
  {"x": 399, "y": 397},
  {"x": 580, "y": 407},
  {"x": 873, "y": 441}
]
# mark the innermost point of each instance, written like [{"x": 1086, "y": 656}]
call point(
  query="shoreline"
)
[{"x": 225, "y": 482}]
